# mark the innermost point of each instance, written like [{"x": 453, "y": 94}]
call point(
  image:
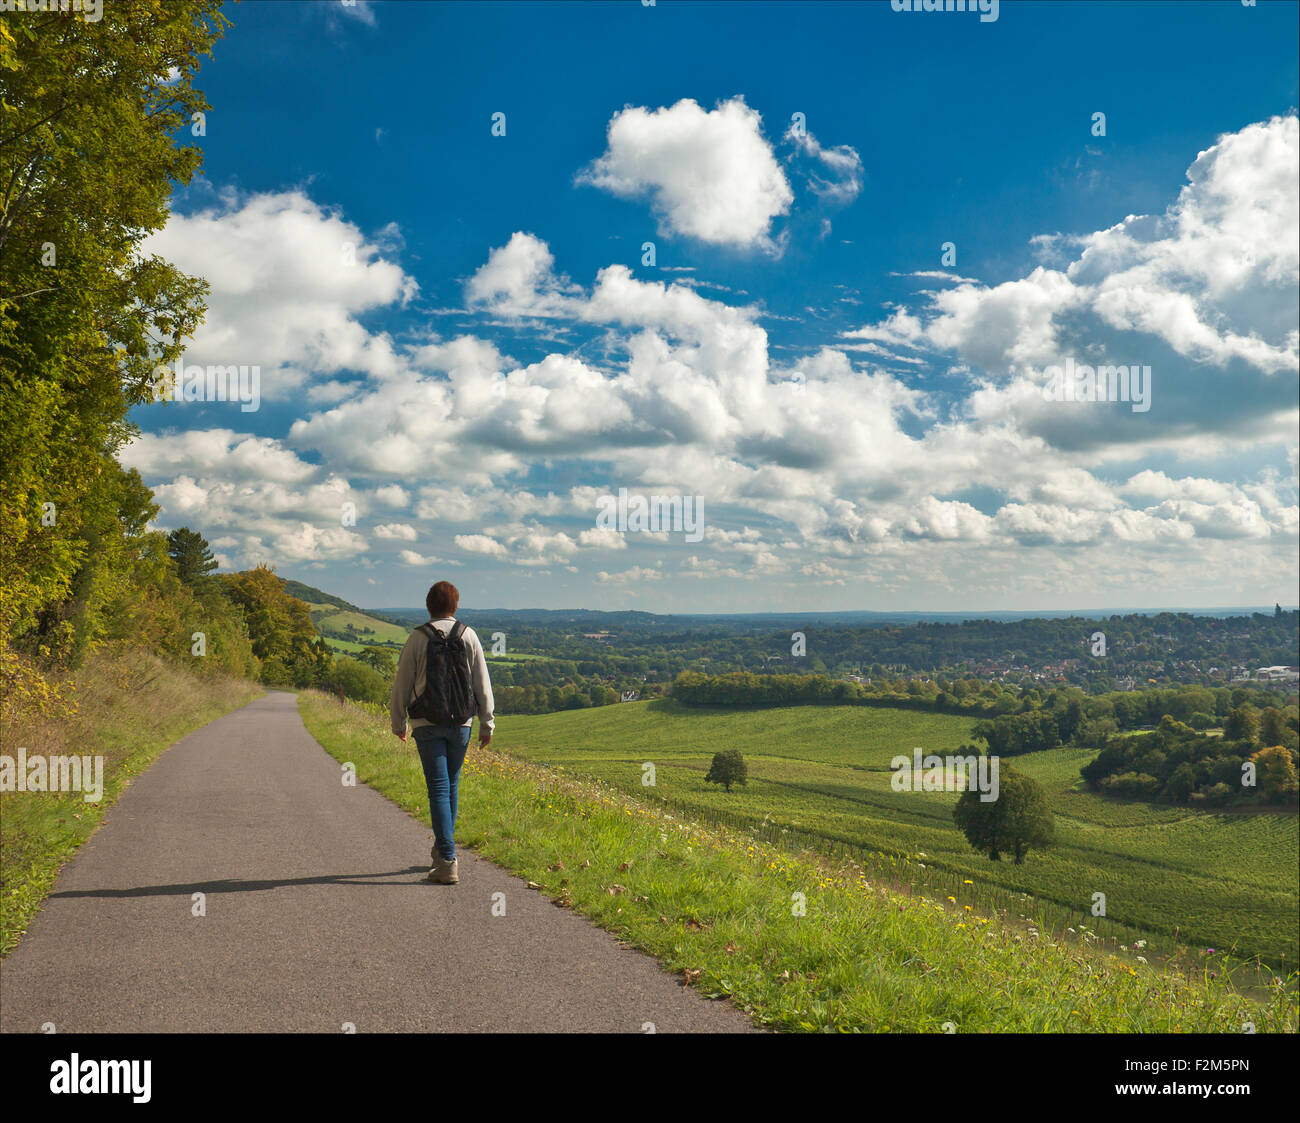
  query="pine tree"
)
[{"x": 190, "y": 551}]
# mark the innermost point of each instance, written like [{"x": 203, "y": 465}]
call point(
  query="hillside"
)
[
  {"x": 344, "y": 626},
  {"x": 822, "y": 775},
  {"x": 802, "y": 941}
]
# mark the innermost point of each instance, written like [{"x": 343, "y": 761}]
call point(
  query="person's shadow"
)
[{"x": 391, "y": 877}]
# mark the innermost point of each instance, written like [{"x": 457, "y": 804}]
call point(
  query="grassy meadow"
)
[
  {"x": 800, "y": 940},
  {"x": 1170, "y": 875}
]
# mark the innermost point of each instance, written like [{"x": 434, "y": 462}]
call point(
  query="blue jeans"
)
[{"x": 442, "y": 752}]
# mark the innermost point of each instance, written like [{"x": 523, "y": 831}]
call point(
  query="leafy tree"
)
[
  {"x": 1180, "y": 785},
  {"x": 1273, "y": 728},
  {"x": 1017, "y": 821},
  {"x": 280, "y": 629},
  {"x": 728, "y": 768},
  {"x": 358, "y": 680},
  {"x": 88, "y": 161},
  {"x": 379, "y": 658},
  {"x": 1242, "y": 724},
  {"x": 1277, "y": 772},
  {"x": 192, "y": 555}
]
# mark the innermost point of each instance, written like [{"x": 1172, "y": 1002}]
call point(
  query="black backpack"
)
[{"x": 448, "y": 696}]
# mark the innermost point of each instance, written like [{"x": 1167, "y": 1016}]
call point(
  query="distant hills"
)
[
  {"x": 345, "y": 626},
  {"x": 745, "y": 622}
]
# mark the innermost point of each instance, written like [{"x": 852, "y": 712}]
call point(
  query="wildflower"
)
[
  {"x": 1142, "y": 958},
  {"x": 968, "y": 882}
]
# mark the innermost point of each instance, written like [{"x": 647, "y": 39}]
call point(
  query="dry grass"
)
[{"x": 126, "y": 706}]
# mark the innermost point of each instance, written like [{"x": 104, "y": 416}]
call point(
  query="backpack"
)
[{"x": 448, "y": 696}]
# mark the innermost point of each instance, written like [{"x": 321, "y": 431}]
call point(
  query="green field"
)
[
  {"x": 1225, "y": 881},
  {"x": 800, "y": 941},
  {"x": 330, "y": 618}
]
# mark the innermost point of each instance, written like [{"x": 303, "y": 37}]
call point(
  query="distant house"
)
[
  {"x": 1278, "y": 674},
  {"x": 630, "y": 696}
]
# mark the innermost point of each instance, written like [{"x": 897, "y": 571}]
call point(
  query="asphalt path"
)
[{"x": 315, "y": 915}]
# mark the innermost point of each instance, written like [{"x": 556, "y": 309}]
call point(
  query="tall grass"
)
[{"x": 127, "y": 706}]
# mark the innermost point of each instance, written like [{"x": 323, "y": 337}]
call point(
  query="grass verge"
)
[
  {"x": 798, "y": 941},
  {"x": 127, "y": 707}
]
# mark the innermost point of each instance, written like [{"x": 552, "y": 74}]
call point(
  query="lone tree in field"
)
[
  {"x": 1017, "y": 821},
  {"x": 728, "y": 768}
]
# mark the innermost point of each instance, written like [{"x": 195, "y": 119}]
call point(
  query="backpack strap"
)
[{"x": 457, "y": 630}]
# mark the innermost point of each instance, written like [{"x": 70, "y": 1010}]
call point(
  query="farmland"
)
[{"x": 1221, "y": 881}]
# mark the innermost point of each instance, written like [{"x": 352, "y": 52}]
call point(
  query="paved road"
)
[{"x": 317, "y": 914}]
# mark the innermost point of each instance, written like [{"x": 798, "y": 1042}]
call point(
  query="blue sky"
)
[{"x": 862, "y": 420}]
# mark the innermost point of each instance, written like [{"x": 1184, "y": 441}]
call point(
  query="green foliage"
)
[
  {"x": 1016, "y": 822},
  {"x": 1242, "y": 724},
  {"x": 1276, "y": 773},
  {"x": 728, "y": 767},
  {"x": 280, "y": 629},
  {"x": 86, "y": 171},
  {"x": 1177, "y": 764},
  {"x": 380, "y": 659},
  {"x": 358, "y": 680},
  {"x": 192, "y": 555}
]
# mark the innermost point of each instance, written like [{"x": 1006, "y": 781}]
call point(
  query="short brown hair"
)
[{"x": 443, "y": 600}]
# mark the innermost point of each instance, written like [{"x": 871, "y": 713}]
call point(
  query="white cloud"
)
[
  {"x": 289, "y": 279},
  {"x": 840, "y": 180},
  {"x": 848, "y": 472},
  {"x": 709, "y": 174},
  {"x": 410, "y": 557}
]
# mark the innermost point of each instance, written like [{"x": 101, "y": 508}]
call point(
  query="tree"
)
[
  {"x": 728, "y": 768},
  {"x": 380, "y": 658},
  {"x": 1018, "y": 820},
  {"x": 1277, "y": 772},
  {"x": 1272, "y": 727},
  {"x": 192, "y": 555},
  {"x": 89, "y": 121},
  {"x": 1242, "y": 724},
  {"x": 1180, "y": 785}
]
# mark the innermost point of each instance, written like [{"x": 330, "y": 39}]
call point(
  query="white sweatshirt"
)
[{"x": 409, "y": 683}]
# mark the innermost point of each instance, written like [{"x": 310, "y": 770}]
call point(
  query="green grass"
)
[
  {"x": 1172, "y": 876},
  {"x": 330, "y": 618},
  {"x": 129, "y": 708},
  {"x": 721, "y": 908},
  {"x": 348, "y": 647}
]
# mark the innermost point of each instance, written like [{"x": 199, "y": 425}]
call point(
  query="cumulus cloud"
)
[
  {"x": 838, "y": 464},
  {"x": 289, "y": 279},
  {"x": 709, "y": 174}
]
